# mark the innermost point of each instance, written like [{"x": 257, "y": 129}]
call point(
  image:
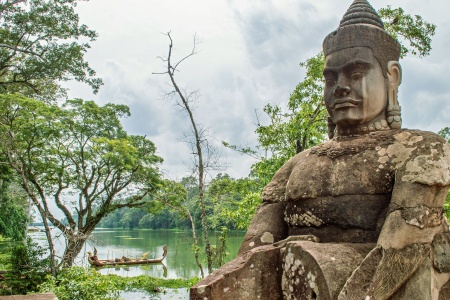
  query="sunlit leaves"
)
[
  {"x": 79, "y": 149},
  {"x": 41, "y": 44},
  {"x": 411, "y": 29}
]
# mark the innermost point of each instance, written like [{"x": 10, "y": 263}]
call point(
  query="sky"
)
[{"x": 249, "y": 56}]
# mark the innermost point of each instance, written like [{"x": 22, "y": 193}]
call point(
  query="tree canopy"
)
[
  {"x": 78, "y": 157},
  {"x": 41, "y": 44}
]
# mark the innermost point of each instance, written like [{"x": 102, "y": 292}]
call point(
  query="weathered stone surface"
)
[
  {"x": 444, "y": 294},
  {"x": 262, "y": 232},
  {"x": 349, "y": 211},
  {"x": 419, "y": 286},
  {"x": 393, "y": 232},
  {"x": 397, "y": 267},
  {"x": 359, "y": 283},
  {"x": 336, "y": 234},
  {"x": 441, "y": 252},
  {"x": 423, "y": 216},
  {"x": 254, "y": 275},
  {"x": 359, "y": 173},
  {"x": 46, "y": 296},
  {"x": 319, "y": 271}
]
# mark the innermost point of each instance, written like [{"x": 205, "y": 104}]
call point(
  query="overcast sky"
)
[{"x": 250, "y": 55}]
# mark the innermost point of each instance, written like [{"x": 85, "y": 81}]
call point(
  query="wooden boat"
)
[{"x": 94, "y": 261}]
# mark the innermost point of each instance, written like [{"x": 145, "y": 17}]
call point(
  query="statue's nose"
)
[{"x": 341, "y": 91}]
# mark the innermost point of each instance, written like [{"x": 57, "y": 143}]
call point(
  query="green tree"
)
[
  {"x": 29, "y": 268},
  {"x": 174, "y": 195},
  {"x": 226, "y": 198},
  {"x": 13, "y": 206},
  {"x": 79, "y": 157},
  {"x": 41, "y": 44},
  {"x": 445, "y": 133},
  {"x": 132, "y": 217}
]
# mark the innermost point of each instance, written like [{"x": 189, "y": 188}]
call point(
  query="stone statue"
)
[{"x": 361, "y": 215}]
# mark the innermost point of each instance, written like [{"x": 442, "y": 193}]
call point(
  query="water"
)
[{"x": 179, "y": 262}]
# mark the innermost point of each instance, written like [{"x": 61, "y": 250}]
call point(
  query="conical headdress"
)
[{"x": 362, "y": 27}]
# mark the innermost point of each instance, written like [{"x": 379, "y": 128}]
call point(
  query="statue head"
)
[{"x": 362, "y": 74}]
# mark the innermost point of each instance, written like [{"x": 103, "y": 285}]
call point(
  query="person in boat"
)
[{"x": 93, "y": 258}]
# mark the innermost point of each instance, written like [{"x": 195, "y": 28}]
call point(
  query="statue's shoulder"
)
[
  {"x": 416, "y": 136},
  {"x": 420, "y": 157},
  {"x": 275, "y": 190}
]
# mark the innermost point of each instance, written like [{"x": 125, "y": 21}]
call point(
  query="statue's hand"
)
[{"x": 293, "y": 238}]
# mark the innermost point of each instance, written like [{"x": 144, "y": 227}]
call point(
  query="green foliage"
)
[
  {"x": 219, "y": 250},
  {"x": 152, "y": 284},
  {"x": 447, "y": 206},
  {"x": 445, "y": 133},
  {"x": 88, "y": 284},
  {"x": 226, "y": 196},
  {"x": 132, "y": 218},
  {"x": 13, "y": 221},
  {"x": 80, "y": 148},
  {"x": 5, "y": 253},
  {"x": 80, "y": 283},
  {"x": 43, "y": 43},
  {"x": 246, "y": 208},
  {"x": 28, "y": 269},
  {"x": 411, "y": 29},
  {"x": 300, "y": 127},
  {"x": 226, "y": 199}
]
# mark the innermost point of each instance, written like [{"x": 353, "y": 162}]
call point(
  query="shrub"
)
[
  {"x": 77, "y": 283},
  {"x": 28, "y": 269}
]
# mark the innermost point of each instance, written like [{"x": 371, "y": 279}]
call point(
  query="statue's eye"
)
[
  {"x": 330, "y": 81},
  {"x": 357, "y": 75}
]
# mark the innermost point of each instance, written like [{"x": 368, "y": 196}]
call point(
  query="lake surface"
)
[{"x": 114, "y": 243}]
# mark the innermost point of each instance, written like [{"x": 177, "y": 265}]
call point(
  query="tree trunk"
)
[
  {"x": 198, "y": 145},
  {"x": 74, "y": 245},
  {"x": 194, "y": 237},
  {"x": 51, "y": 246}
]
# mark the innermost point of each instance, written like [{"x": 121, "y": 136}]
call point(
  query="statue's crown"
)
[{"x": 361, "y": 26}]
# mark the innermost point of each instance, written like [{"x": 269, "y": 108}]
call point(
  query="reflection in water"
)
[{"x": 179, "y": 262}]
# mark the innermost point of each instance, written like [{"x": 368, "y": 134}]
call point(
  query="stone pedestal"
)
[
  {"x": 254, "y": 275},
  {"x": 319, "y": 271}
]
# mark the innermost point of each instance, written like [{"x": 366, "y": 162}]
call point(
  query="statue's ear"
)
[{"x": 394, "y": 73}]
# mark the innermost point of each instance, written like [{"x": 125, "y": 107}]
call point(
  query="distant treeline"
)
[{"x": 229, "y": 201}]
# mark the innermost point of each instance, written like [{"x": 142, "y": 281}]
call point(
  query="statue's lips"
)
[{"x": 345, "y": 103}]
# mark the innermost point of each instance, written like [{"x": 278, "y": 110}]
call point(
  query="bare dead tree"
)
[
  {"x": 171, "y": 197},
  {"x": 205, "y": 156}
]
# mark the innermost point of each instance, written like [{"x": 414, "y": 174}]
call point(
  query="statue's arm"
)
[
  {"x": 414, "y": 218},
  {"x": 416, "y": 214}
]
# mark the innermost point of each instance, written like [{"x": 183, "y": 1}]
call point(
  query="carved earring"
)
[{"x": 394, "y": 116}]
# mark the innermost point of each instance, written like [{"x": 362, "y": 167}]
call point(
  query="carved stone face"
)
[{"x": 355, "y": 89}]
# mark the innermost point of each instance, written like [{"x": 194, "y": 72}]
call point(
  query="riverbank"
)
[{"x": 167, "y": 281}]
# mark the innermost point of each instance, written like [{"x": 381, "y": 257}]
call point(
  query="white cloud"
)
[{"x": 249, "y": 56}]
